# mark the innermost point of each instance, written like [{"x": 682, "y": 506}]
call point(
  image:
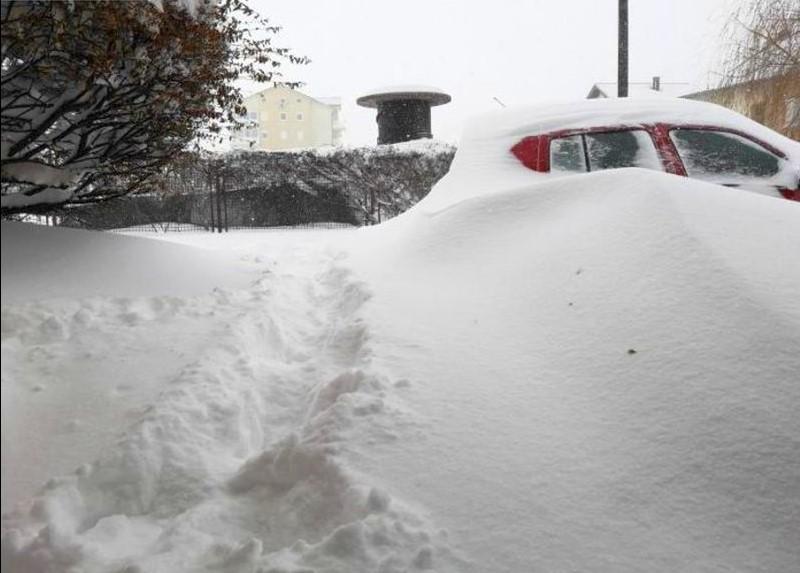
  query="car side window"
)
[
  {"x": 617, "y": 149},
  {"x": 606, "y": 150},
  {"x": 713, "y": 155},
  {"x": 566, "y": 155}
]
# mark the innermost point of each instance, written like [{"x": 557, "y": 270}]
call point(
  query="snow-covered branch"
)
[{"x": 98, "y": 96}]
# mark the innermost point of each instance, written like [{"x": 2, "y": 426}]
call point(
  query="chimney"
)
[{"x": 656, "y": 83}]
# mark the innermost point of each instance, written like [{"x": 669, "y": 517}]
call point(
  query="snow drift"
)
[
  {"x": 606, "y": 366},
  {"x": 594, "y": 373},
  {"x": 230, "y": 440},
  {"x": 40, "y": 263}
]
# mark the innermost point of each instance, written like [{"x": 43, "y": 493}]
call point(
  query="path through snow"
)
[{"x": 245, "y": 458}]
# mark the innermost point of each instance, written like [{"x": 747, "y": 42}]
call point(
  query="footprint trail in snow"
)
[{"x": 245, "y": 462}]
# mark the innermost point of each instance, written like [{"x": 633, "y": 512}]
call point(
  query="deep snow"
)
[
  {"x": 593, "y": 373},
  {"x": 220, "y": 424},
  {"x": 607, "y": 370}
]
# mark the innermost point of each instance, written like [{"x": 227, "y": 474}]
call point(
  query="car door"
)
[{"x": 734, "y": 159}]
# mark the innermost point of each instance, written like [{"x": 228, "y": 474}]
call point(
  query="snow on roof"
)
[
  {"x": 484, "y": 156},
  {"x": 330, "y": 101},
  {"x": 333, "y": 101},
  {"x": 641, "y": 90},
  {"x": 406, "y": 88}
]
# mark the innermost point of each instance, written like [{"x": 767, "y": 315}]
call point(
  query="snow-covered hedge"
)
[{"x": 358, "y": 185}]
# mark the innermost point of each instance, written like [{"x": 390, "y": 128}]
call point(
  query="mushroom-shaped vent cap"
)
[{"x": 434, "y": 96}]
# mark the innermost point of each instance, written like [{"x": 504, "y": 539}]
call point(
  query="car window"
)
[
  {"x": 566, "y": 154},
  {"x": 617, "y": 149},
  {"x": 716, "y": 155},
  {"x": 607, "y": 150}
]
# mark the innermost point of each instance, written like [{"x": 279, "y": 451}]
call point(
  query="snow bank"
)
[
  {"x": 605, "y": 368},
  {"x": 593, "y": 373},
  {"x": 92, "y": 326},
  {"x": 241, "y": 454},
  {"x": 44, "y": 262}
]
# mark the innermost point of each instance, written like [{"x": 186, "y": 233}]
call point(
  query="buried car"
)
[{"x": 718, "y": 146}]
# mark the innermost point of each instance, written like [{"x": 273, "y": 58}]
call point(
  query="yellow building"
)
[{"x": 282, "y": 118}]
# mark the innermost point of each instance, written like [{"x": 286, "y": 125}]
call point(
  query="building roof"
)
[
  {"x": 329, "y": 101},
  {"x": 640, "y": 90},
  {"x": 333, "y": 101}
]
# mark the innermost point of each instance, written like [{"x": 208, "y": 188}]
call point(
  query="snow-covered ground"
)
[{"x": 598, "y": 373}]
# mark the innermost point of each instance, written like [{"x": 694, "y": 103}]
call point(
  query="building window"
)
[
  {"x": 283, "y": 103},
  {"x": 264, "y": 135},
  {"x": 284, "y": 116},
  {"x": 299, "y": 116},
  {"x": 250, "y": 126},
  {"x": 299, "y": 100}
]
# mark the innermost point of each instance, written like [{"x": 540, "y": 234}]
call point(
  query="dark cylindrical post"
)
[
  {"x": 403, "y": 120},
  {"x": 622, "y": 50},
  {"x": 404, "y": 113}
]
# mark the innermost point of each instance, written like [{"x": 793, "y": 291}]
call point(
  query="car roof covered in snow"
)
[
  {"x": 484, "y": 162},
  {"x": 609, "y": 112}
]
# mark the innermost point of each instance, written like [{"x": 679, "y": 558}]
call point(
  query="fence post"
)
[
  {"x": 219, "y": 204},
  {"x": 211, "y": 202},
  {"x": 225, "y": 202}
]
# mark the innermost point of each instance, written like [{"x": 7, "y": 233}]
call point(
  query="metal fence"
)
[{"x": 191, "y": 228}]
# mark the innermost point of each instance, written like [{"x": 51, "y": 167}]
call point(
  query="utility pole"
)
[{"x": 622, "y": 50}]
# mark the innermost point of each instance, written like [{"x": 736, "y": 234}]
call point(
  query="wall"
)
[{"x": 775, "y": 102}]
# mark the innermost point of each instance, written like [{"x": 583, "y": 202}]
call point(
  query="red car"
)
[{"x": 718, "y": 146}]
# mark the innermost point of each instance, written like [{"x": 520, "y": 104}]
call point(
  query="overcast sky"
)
[{"x": 520, "y": 51}]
